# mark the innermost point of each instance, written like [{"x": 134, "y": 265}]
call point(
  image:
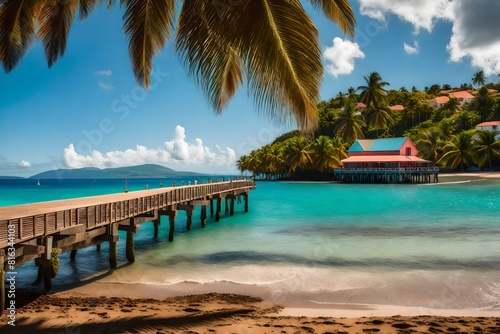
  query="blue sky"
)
[{"x": 88, "y": 110}]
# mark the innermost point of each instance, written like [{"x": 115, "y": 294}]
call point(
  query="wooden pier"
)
[
  {"x": 41, "y": 231},
  {"x": 387, "y": 175}
]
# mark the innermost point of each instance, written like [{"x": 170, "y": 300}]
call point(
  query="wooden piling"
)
[
  {"x": 226, "y": 206},
  {"x": 246, "y": 202},
  {"x": 231, "y": 206},
  {"x": 98, "y": 247},
  {"x": 171, "y": 220},
  {"x": 129, "y": 247},
  {"x": 112, "y": 232},
  {"x": 203, "y": 216},
  {"x": 218, "y": 209},
  {"x": 72, "y": 256},
  {"x": 189, "y": 221},
  {"x": 211, "y": 207},
  {"x": 156, "y": 223}
]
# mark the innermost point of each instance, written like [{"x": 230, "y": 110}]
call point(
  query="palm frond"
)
[
  {"x": 55, "y": 19},
  {"x": 86, "y": 7},
  {"x": 283, "y": 58},
  {"x": 148, "y": 25},
  {"x": 17, "y": 30},
  {"x": 213, "y": 62},
  {"x": 338, "y": 11}
]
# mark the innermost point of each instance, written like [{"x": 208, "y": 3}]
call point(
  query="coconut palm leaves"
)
[
  {"x": 273, "y": 45},
  {"x": 429, "y": 144},
  {"x": 478, "y": 79},
  {"x": 350, "y": 123},
  {"x": 486, "y": 147},
  {"x": 458, "y": 151},
  {"x": 374, "y": 95},
  {"x": 325, "y": 155}
]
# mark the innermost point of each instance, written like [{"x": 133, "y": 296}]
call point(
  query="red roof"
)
[
  {"x": 397, "y": 107},
  {"x": 383, "y": 158},
  {"x": 441, "y": 99},
  {"x": 462, "y": 95},
  {"x": 361, "y": 105},
  {"x": 489, "y": 123}
]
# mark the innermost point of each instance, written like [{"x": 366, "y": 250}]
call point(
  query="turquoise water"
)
[{"x": 415, "y": 245}]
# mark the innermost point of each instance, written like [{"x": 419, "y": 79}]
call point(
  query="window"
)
[
  {"x": 408, "y": 151},
  {"x": 495, "y": 127}
]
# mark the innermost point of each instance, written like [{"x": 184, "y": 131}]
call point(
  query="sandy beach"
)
[{"x": 99, "y": 307}]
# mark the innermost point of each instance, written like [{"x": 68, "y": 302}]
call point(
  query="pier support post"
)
[
  {"x": 211, "y": 207},
  {"x": 73, "y": 255},
  {"x": 231, "y": 204},
  {"x": 226, "y": 206},
  {"x": 156, "y": 223},
  {"x": 246, "y": 202},
  {"x": 113, "y": 231},
  {"x": 2, "y": 286},
  {"x": 129, "y": 247},
  {"x": 98, "y": 247},
  {"x": 171, "y": 220},
  {"x": 217, "y": 211},
  {"x": 189, "y": 220},
  {"x": 203, "y": 216}
]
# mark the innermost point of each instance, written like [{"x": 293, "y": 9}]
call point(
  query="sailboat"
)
[{"x": 38, "y": 183}]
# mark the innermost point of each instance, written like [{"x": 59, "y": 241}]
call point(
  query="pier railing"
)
[
  {"x": 46, "y": 218},
  {"x": 388, "y": 170}
]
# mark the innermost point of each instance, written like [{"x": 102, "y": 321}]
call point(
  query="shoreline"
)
[{"x": 212, "y": 312}]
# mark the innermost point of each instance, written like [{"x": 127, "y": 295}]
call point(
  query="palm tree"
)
[
  {"x": 324, "y": 154},
  {"x": 451, "y": 107},
  {"x": 351, "y": 94},
  {"x": 350, "y": 123},
  {"x": 429, "y": 144},
  {"x": 298, "y": 153},
  {"x": 478, "y": 79},
  {"x": 374, "y": 95},
  {"x": 486, "y": 147},
  {"x": 457, "y": 151},
  {"x": 273, "y": 44}
]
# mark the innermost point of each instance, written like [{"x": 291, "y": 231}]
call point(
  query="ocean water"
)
[{"x": 431, "y": 246}]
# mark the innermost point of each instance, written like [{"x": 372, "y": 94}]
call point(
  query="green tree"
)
[
  {"x": 486, "y": 148},
  {"x": 458, "y": 151},
  {"x": 478, "y": 79},
  {"x": 324, "y": 154},
  {"x": 429, "y": 144},
  {"x": 350, "y": 123},
  {"x": 298, "y": 153},
  {"x": 374, "y": 95},
  {"x": 451, "y": 107},
  {"x": 274, "y": 44}
]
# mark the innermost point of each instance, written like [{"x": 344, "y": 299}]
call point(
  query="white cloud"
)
[
  {"x": 24, "y": 164},
  {"x": 174, "y": 152},
  {"x": 412, "y": 50},
  {"x": 340, "y": 57},
  {"x": 104, "y": 85},
  {"x": 422, "y": 14},
  {"x": 474, "y": 34},
  {"x": 104, "y": 73}
]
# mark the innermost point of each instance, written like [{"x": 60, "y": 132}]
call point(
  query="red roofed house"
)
[
  {"x": 463, "y": 96},
  {"x": 397, "y": 107},
  {"x": 438, "y": 102},
  {"x": 490, "y": 126},
  {"x": 387, "y": 160}
]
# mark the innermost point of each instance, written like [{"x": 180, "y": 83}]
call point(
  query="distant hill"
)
[
  {"x": 10, "y": 177},
  {"x": 142, "y": 171}
]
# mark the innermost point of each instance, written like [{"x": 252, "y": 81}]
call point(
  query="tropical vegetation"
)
[
  {"x": 445, "y": 136},
  {"x": 216, "y": 40}
]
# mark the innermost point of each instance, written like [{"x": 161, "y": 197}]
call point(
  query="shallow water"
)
[{"x": 414, "y": 245}]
